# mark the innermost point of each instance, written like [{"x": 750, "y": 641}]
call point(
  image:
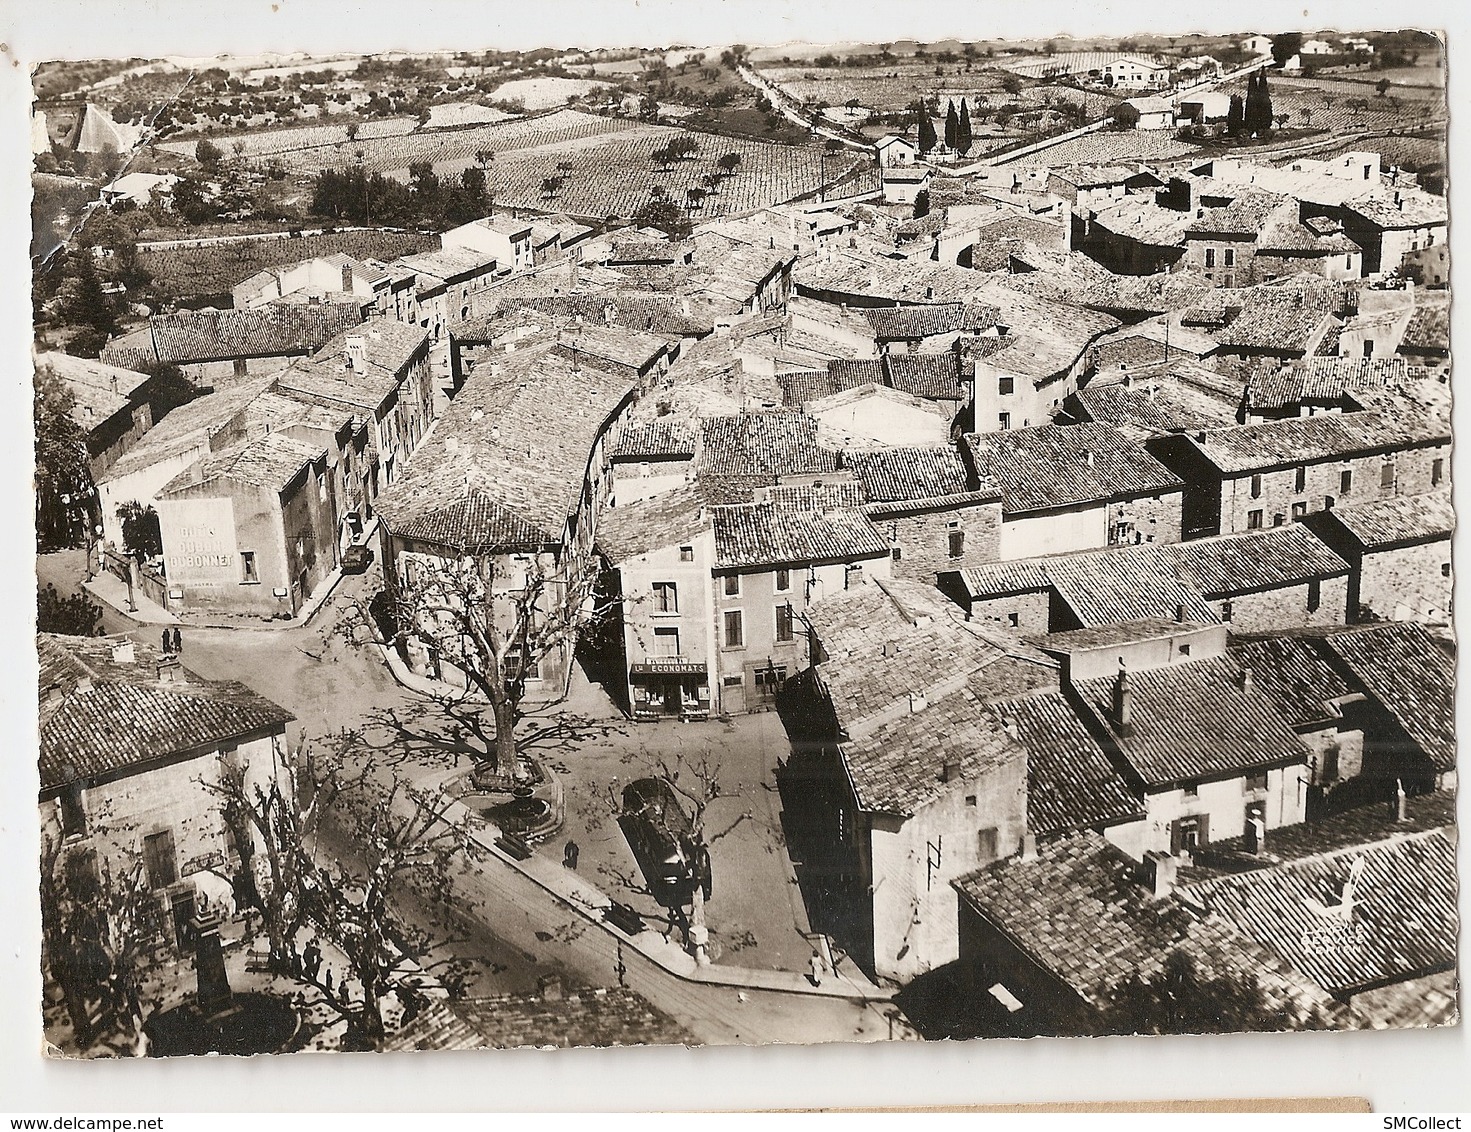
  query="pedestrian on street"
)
[
  {"x": 817, "y": 968},
  {"x": 570, "y": 855},
  {"x": 178, "y": 641},
  {"x": 168, "y": 644}
]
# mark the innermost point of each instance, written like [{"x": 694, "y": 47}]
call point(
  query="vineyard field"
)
[
  {"x": 1113, "y": 145},
  {"x": 891, "y": 88},
  {"x": 215, "y": 268},
  {"x": 271, "y": 143}
]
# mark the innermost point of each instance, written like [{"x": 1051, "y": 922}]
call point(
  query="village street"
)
[{"x": 514, "y": 929}]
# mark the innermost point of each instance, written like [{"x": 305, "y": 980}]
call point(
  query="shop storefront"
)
[{"x": 670, "y": 689}]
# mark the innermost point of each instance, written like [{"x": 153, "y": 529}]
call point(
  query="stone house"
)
[
  {"x": 1257, "y": 476},
  {"x": 449, "y": 286},
  {"x": 506, "y": 240},
  {"x": 1399, "y": 549},
  {"x": 126, "y": 737},
  {"x": 1073, "y": 487},
  {"x": 111, "y": 405},
  {"x": 898, "y": 783}
]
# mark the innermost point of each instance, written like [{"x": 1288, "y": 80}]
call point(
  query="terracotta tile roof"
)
[
  {"x": 1402, "y": 667},
  {"x": 899, "y": 766},
  {"x": 478, "y": 521},
  {"x": 389, "y": 347},
  {"x": 91, "y": 373},
  {"x": 813, "y": 385},
  {"x": 101, "y": 716},
  {"x": 446, "y": 265},
  {"x": 662, "y": 438},
  {"x": 771, "y": 444},
  {"x": 1079, "y": 910},
  {"x": 823, "y": 495},
  {"x": 1052, "y": 466},
  {"x": 1149, "y": 409},
  {"x": 1099, "y": 636},
  {"x": 1325, "y": 380},
  {"x": 1245, "y": 216},
  {"x": 1401, "y": 924},
  {"x": 522, "y": 437},
  {"x": 929, "y": 319},
  {"x": 1429, "y": 330},
  {"x": 1139, "y": 219},
  {"x": 858, "y": 371},
  {"x": 936, "y": 377},
  {"x": 760, "y": 534},
  {"x": 665, "y": 519},
  {"x": 1122, "y": 587},
  {"x": 891, "y": 475},
  {"x": 1279, "y": 321},
  {"x": 1397, "y": 519},
  {"x": 1193, "y": 721},
  {"x": 1326, "y": 436},
  {"x": 1292, "y": 672},
  {"x": 1224, "y": 565},
  {"x": 1401, "y": 208},
  {"x": 189, "y": 426},
  {"x": 273, "y": 330},
  {"x": 1071, "y": 784},
  {"x": 271, "y": 461},
  {"x": 601, "y": 1017}
]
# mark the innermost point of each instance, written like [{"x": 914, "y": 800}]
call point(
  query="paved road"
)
[{"x": 519, "y": 928}]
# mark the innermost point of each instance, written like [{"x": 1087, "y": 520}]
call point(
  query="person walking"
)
[
  {"x": 178, "y": 641},
  {"x": 168, "y": 644},
  {"x": 815, "y": 963}
]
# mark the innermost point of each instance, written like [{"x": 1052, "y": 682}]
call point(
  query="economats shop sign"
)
[{"x": 199, "y": 542}]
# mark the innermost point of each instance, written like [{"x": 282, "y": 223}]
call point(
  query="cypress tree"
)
[
  {"x": 927, "y": 138},
  {"x": 952, "y": 127},
  {"x": 1253, "y": 110},
  {"x": 1264, "y": 103},
  {"x": 1235, "y": 116},
  {"x": 963, "y": 136}
]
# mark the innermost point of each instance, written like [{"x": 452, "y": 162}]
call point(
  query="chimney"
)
[
  {"x": 1029, "y": 846},
  {"x": 1256, "y": 835},
  {"x": 1123, "y": 702},
  {"x": 950, "y": 772},
  {"x": 550, "y": 988},
  {"x": 1245, "y": 680},
  {"x": 1009, "y": 726},
  {"x": 84, "y": 684},
  {"x": 917, "y": 702},
  {"x": 1400, "y": 811},
  {"x": 168, "y": 670},
  {"x": 357, "y": 352},
  {"x": 1159, "y": 874},
  {"x": 1088, "y": 456},
  {"x": 122, "y": 653},
  {"x": 54, "y": 694},
  {"x": 1180, "y": 613},
  {"x": 347, "y": 278},
  {"x": 114, "y": 383}
]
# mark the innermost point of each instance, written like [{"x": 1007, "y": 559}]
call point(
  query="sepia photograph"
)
[{"x": 744, "y": 543}]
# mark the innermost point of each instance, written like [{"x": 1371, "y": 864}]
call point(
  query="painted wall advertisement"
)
[{"x": 200, "y": 538}]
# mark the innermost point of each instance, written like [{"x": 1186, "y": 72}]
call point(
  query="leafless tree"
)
[{"x": 497, "y": 621}]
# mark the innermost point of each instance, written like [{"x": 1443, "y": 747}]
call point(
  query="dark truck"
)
[{"x": 660, "y": 834}]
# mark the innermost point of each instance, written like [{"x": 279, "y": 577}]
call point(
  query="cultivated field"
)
[
  {"x": 293, "y": 139},
  {"x": 544, "y": 93},
  {"x": 1064, "y": 62},
  {"x": 896, "y": 86},
  {"x": 1109, "y": 145},
  {"x": 215, "y": 268},
  {"x": 1327, "y": 103}
]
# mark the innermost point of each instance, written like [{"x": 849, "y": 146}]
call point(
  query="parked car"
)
[
  {"x": 659, "y": 833},
  {"x": 356, "y": 558}
]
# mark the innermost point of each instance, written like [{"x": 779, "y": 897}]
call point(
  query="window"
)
[
  {"x": 1210, "y": 257},
  {"x": 986, "y": 845},
  {"x": 957, "y": 543},
  {"x": 73, "y": 812},
  {"x": 1256, "y": 780},
  {"x": 1386, "y": 476},
  {"x": 1256, "y": 486},
  {"x": 83, "y": 876},
  {"x": 852, "y": 576},
  {"x": 1278, "y": 519},
  {"x": 732, "y": 585},
  {"x": 896, "y": 553},
  {"x": 1437, "y": 472},
  {"x": 1253, "y": 520},
  {"x": 321, "y": 487},
  {"x": 666, "y": 641},
  {"x": 1328, "y": 502},
  {"x": 1189, "y": 834},
  {"x": 1348, "y": 260},
  {"x": 1345, "y": 481},
  {"x": 784, "y": 622},
  {"x": 1230, "y": 257},
  {"x": 241, "y": 365},
  {"x": 1007, "y": 386},
  {"x": 248, "y": 572},
  {"x": 1300, "y": 480},
  {"x": 1184, "y": 650},
  {"x": 158, "y": 859},
  {"x": 1315, "y": 595},
  {"x": 1191, "y": 789},
  {"x": 1445, "y": 569},
  {"x": 783, "y": 581},
  {"x": 516, "y": 671},
  {"x": 1368, "y": 347},
  {"x": 1226, "y": 610},
  {"x": 1299, "y": 509},
  {"x": 735, "y": 631},
  {"x": 666, "y": 597},
  {"x": 1005, "y": 421},
  {"x": 686, "y": 554},
  {"x": 1014, "y": 620}
]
